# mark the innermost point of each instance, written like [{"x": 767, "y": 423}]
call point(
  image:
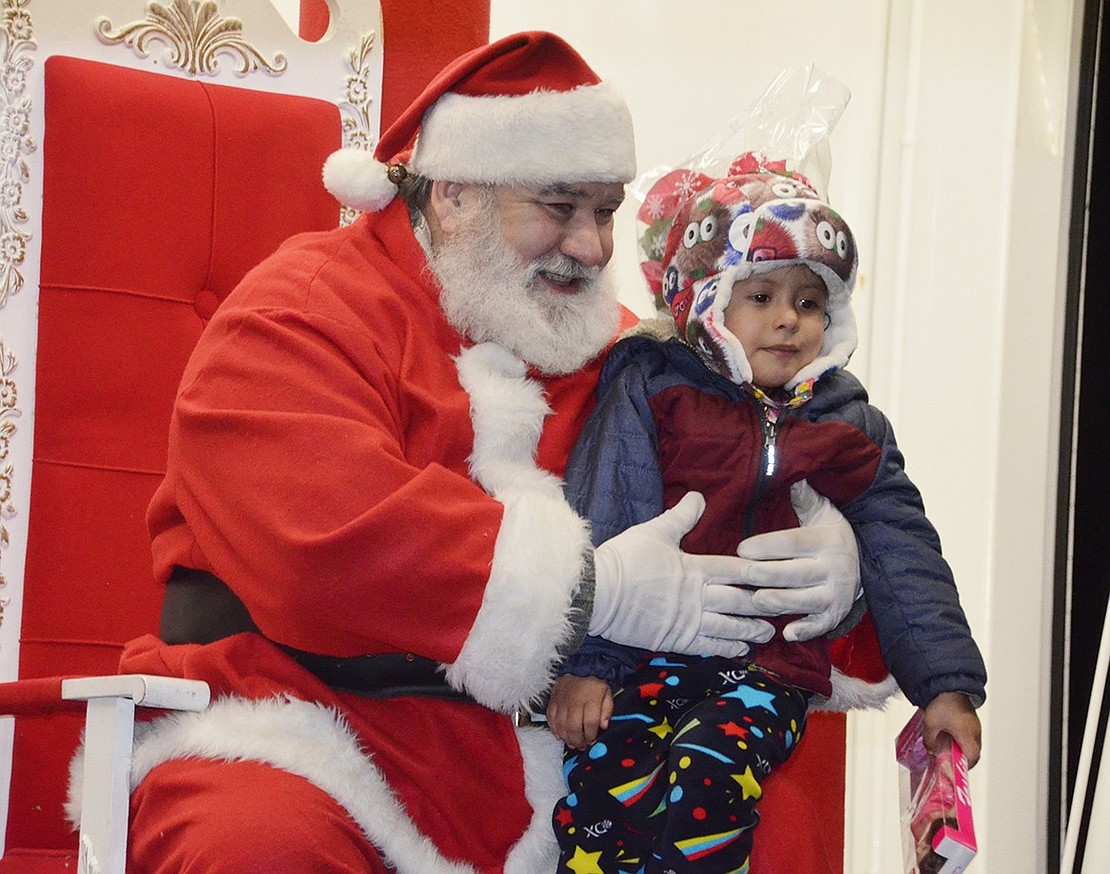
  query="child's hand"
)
[
  {"x": 578, "y": 709},
  {"x": 952, "y": 713}
]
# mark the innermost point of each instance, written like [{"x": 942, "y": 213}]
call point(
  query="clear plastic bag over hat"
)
[
  {"x": 792, "y": 121},
  {"x": 786, "y": 129}
]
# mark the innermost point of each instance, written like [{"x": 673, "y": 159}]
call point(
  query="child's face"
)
[{"x": 779, "y": 319}]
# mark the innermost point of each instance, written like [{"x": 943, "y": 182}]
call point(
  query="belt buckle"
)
[{"x": 524, "y": 718}]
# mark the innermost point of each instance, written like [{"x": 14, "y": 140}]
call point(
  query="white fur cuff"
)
[{"x": 512, "y": 649}]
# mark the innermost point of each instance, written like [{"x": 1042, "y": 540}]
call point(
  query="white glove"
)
[
  {"x": 649, "y": 594},
  {"x": 817, "y": 568}
]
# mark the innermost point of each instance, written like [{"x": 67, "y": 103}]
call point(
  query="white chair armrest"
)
[
  {"x": 109, "y": 737},
  {"x": 145, "y": 690}
]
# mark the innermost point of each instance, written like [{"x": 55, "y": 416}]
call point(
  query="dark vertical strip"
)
[
  {"x": 1079, "y": 610},
  {"x": 1092, "y": 777}
]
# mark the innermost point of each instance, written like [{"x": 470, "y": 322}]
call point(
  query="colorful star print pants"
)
[{"x": 672, "y": 784}]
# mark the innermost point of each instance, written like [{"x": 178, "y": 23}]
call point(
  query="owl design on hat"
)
[
  {"x": 704, "y": 237},
  {"x": 710, "y": 345},
  {"x": 754, "y": 222},
  {"x": 835, "y": 246},
  {"x": 759, "y": 188}
]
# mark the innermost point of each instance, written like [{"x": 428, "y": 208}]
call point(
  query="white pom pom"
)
[{"x": 358, "y": 180}]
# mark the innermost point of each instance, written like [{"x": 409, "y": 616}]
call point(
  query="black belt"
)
[
  {"x": 385, "y": 675},
  {"x": 200, "y": 608}
]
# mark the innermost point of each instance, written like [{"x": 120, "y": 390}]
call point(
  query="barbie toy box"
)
[{"x": 938, "y": 836}]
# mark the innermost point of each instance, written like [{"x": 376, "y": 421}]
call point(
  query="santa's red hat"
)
[{"x": 525, "y": 110}]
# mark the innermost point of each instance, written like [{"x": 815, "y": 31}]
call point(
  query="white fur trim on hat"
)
[
  {"x": 511, "y": 652},
  {"x": 358, "y": 180},
  {"x": 581, "y": 135},
  {"x": 316, "y": 743}
]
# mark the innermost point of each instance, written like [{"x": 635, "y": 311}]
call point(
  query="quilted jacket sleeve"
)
[
  {"x": 613, "y": 480},
  {"x": 922, "y": 630}
]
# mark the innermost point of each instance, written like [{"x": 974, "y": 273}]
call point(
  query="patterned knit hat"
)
[
  {"x": 525, "y": 110},
  {"x": 702, "y": 235}
]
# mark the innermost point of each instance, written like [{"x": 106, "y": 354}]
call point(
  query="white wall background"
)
[{"x": 952, "y": 165}]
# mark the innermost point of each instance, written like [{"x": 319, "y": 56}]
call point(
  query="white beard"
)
[{"x": 490, "y": 294}]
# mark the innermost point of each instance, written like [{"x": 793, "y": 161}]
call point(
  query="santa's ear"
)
[{"x": 445, "y": 201}]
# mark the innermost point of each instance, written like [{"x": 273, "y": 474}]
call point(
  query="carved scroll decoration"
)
[
  {"x": 17, "y": 34},
  {"x": 9, "y": 409},
  {"x": 196, "y": 34},
  {"x": 354, "y": 107}
]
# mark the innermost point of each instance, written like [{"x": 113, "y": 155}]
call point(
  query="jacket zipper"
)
[{"x": 768, "y": 462}]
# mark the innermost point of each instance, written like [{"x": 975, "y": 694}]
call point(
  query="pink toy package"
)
[{"x": 938, "y": 836}]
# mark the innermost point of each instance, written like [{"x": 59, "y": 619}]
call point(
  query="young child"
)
[{"x": 744, "y": 404}]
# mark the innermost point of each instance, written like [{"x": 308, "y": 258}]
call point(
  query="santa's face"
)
[
  {"x": 571, "y": 220},
  {"x": 524, "y": 268}
]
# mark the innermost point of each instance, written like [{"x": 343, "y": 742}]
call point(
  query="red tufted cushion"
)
[{"x": 159, "y": 194}]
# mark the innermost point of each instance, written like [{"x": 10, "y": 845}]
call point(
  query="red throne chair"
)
[{"x": 160, "y": 187}]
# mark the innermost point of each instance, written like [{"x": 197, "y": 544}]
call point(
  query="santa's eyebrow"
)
[
  {"x": 568, "y": 189},
  {"x": 568, "y": 192},
  {"x": 563, "y": 189}
]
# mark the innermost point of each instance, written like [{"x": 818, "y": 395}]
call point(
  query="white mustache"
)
[{"x": 564, "y": 267}]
